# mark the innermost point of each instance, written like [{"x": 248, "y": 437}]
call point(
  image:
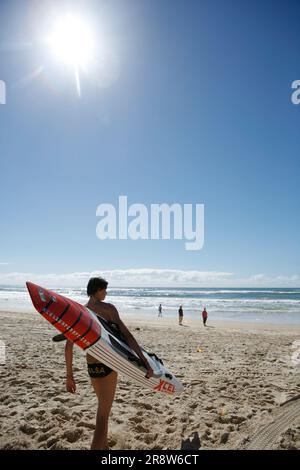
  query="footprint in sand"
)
[
  {"x": 47, "y": 428},
  {"x": 51, "y": 442},
  {"x": 61, "y": 399},
  {"x": 150, "y": 438},
  {"x": 112, "y": 442},
  {"x": 19, "y": 445},
  {"x": 4, "y": 398},
  {"x": 72, "y": 435},
  {"x": 136, "y": 419},
  {"x": 46, "y": 436},
  {"x": 27, "y": 429},
  {"x": 17, "y": 382},
  {"x": 171, "y": 420},
  {"x": 140, "y": 429},
  {"x": 119, "y": 400},
  {"x": 193, "y": 406},
  {"x": 61, "y": 412},
  {"x": 86, "y": 425},
  {"x": 118, "y": 420},
  {"x": 170, "y": 429},
  {"x": 146, "y": 406},
  {"x": 51, "y": 393}
]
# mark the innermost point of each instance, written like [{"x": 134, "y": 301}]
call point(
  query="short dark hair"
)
[{"x": 94, "y": 284}]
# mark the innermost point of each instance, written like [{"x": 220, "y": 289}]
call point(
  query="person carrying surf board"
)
[{"x": 104, "y": 379}]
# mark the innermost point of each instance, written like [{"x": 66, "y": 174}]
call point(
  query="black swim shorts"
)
[{"x": 98, "y": 370}]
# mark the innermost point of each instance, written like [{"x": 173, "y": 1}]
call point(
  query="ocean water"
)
[{"x": 269, "y": 305}]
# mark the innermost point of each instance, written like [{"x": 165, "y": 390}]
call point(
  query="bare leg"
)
[{"x": 105, "y": 389}]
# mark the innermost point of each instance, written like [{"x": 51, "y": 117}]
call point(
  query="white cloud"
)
[
  {"x": 148, "y": 277},
  {"x": 275, "y": 281}
]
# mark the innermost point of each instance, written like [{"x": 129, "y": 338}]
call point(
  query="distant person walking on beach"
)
[
  {"x": 204, "y": 316},
  {"x": 180, "y": 314},
  {"x": 160, "y": 310}
]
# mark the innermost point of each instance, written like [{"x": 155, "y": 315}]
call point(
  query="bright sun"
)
[{"x": 72, "y": 42}]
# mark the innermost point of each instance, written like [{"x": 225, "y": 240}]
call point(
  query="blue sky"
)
[{"x": 196, "y": 109}]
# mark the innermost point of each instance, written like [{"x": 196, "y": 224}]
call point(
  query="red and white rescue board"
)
[{"x": 96, "y": 337}]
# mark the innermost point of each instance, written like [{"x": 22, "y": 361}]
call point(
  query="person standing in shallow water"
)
[
  {"x": 104, "y": 379},
  {"x": 204, "y": 316},
  {"x": 160, "y": 310},
  {"x": 180, "y": 315}
]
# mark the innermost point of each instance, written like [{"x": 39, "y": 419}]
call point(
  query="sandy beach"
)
[{"x": 239, "y": 378}]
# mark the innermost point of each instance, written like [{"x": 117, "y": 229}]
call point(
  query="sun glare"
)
[
  {"x": 72, "y": 42},
  {"x": 82, "y": 50}
]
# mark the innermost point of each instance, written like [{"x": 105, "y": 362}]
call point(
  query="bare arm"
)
[{"x": 70, "y": 383}]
